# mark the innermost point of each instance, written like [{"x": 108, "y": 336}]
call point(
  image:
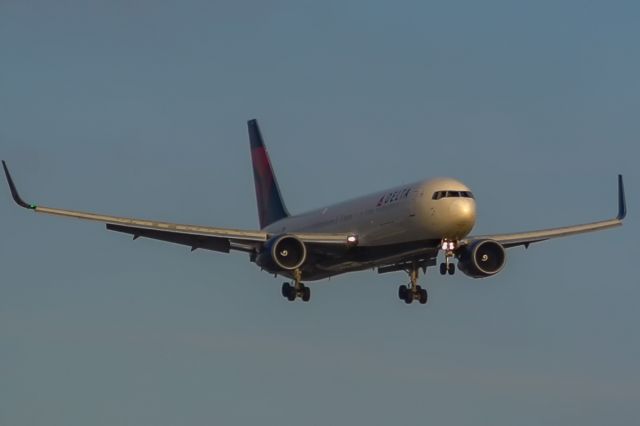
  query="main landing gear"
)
[
  {"x": 413, "y": 291},
  {"x": 297, "y": 289},
  {"x": 447, "y": 267}
]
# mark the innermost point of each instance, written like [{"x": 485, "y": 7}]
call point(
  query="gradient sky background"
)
[{"x": 140, "y": 109}]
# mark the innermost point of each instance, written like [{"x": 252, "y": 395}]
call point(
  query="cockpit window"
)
[
  {"x": 449, "y": 194},
  {"x": 467, "y": 194}
]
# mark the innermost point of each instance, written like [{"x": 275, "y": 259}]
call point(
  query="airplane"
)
[{"x": 399, "y": 229}]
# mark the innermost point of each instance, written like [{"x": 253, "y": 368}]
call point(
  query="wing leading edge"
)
[
  {"x": 195, "y": 236},
  {"x": 526, "y": 238}
]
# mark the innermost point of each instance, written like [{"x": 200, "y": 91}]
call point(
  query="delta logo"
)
[{"x": 393, "y": 197}]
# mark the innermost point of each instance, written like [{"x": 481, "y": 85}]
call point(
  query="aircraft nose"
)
[{"x": 462, "y": 217}]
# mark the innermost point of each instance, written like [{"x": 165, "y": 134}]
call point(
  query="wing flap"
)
[{"x": 194, "y": 241}]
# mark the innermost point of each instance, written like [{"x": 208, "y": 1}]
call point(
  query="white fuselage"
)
[{"x": 397, "y": 215}]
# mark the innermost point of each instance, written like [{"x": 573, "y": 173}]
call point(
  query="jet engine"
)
[
  {"x": 482, "y": 258},
  {"x": 284, "y": 252}
]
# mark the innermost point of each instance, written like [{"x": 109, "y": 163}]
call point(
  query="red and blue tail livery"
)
[{"x": 271, "y": 207}]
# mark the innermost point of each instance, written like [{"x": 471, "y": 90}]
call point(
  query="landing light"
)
[
  {"x": 448, "y": 245},
  {"x": 352, "y": 239}
]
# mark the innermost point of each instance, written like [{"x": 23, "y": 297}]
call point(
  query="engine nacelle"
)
[
  {"x": 284, "y": 252},
  {"x": 482, "y": 259}
]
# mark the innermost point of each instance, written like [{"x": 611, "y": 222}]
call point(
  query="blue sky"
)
[{"x": 140, "y": 110}]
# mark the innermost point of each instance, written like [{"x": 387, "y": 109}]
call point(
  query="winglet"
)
[
  {"x": 622, "y": 202},
  {"x": 14, "y": 191}
]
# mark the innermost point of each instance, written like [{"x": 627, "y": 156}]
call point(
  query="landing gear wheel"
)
[
  {"x": 289, "y": 292},
  {"x": 286, "y": 289},
  {"x": 443, "y": 268},
  {"x": 423, "y": 296},
  {"x": 306, "y": 294},
  {"x": 451, "y": 269},
  {"x": 408, "y": 297},
  {"x": 402, "y": 292}
]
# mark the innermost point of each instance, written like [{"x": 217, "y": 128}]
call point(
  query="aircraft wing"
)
[
  {"x": 195, "y": 236},
  {"x": 526, "y": 238}
]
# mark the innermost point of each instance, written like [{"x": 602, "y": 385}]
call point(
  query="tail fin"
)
[{"x": 271, "y": 208}]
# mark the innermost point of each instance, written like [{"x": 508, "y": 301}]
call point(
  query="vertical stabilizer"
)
[{"x": 271, "y": 208}]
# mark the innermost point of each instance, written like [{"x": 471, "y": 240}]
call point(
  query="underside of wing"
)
[
  {"x": 194, "y": 241},
  {"x": 526, "y": 238}
]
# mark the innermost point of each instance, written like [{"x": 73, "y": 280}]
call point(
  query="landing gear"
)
[
  {"x": 291, "y": 292},
  {"x": 413, "y": 291},
  {"x": 447, "y": 267}
]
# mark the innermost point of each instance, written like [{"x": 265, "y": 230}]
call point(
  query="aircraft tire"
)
[
  {"x": 402, "y": 292},
  {"x": 443, "y": 268},
  {"x": 289, "y": 292},
  {"x": 423, "y": 296},
  {"x": 286, "y": 288},
  {"x": 306, "y": 294},
  {"x": 451, "y": 269}
]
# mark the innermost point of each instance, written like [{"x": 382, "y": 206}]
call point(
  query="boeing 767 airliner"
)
[{"x": 399, "y": 229}]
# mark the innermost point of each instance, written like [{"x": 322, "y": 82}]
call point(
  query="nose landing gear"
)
[{"x": 447, "y": 267}]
